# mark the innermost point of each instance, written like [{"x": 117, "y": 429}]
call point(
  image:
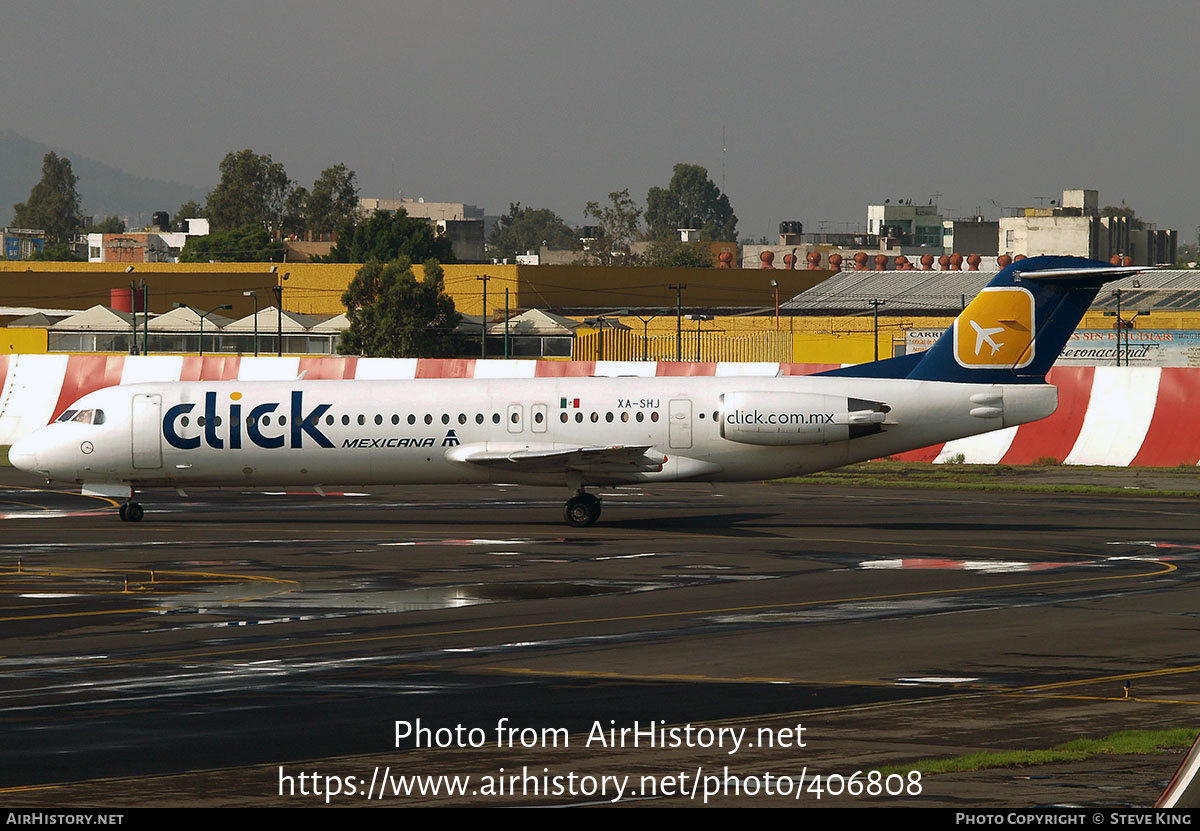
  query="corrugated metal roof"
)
[
  {"x": 536, "y": 322},
  {"x": 1176, "y": 290},
  {"x": 99, "y": 318},
  {"x": 851, "y": 292},
  {"x": 185, "y": 319},
  {"x": 900, "y": 291},
  {"x": 268, "y": 321}
]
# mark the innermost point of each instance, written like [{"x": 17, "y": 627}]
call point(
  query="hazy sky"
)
[{"x": 826, "y": 107}]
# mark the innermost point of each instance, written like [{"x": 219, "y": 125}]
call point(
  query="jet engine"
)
[{"x": 788, "y": 418}]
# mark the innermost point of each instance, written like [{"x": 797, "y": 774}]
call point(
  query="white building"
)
[
  {"x": 1076, "y": 228},
  {"x": 152, "y": 246}
]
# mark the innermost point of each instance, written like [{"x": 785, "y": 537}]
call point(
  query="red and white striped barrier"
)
[
  {"x": 1121, "y": 416},
  {"x": 1106, "y": 415}
]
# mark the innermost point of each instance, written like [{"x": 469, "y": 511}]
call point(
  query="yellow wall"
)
[
  {"x": 317, "y": 288},
  {"x": 83, "y": 285},
  {"x": 1157, "y": 320},
  {"x": 814, "y": 339},
  {"x": 23, "y": 341},
  {"x": 614, "y": 288},
  {"x": 464, "y": 285}
]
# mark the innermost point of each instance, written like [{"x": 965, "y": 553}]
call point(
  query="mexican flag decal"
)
[{"x": 564, "y": 403}]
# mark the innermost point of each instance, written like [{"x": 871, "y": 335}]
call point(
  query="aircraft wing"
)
[{"x": 551, "y": 459}]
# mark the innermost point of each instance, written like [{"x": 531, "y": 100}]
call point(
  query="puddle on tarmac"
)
[
  {"x": 364, "y": 599},
  {"x": 982, "y": 566}
]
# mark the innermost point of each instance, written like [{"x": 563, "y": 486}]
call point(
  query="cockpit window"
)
[{"x": 83, "y": 416}]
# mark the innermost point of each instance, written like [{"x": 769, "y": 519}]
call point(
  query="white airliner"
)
[
  {"x": 983, "y": 336},
  {"x": 581, "y": 432}
]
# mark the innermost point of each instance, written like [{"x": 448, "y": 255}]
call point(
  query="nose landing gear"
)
[
  {"x": 582, "y": 510},
  {"x": 132, "y": 512}
]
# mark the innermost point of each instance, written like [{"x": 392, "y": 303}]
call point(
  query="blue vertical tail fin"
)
[{"x": 1015, "y": 328}]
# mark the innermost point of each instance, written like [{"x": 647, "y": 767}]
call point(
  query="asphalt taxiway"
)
[{"x": 235, "y": 640}]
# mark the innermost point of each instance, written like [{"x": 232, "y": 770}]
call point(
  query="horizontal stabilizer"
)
[{"x": 1103, "y": 273}]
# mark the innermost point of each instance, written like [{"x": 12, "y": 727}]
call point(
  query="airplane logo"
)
[
  {"x": 985, "y": 336},
  {"x": 1001, "y": 331}
]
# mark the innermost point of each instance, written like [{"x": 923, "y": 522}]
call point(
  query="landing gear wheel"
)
[
  {"x": 582, "y": 510},
  {"x": 132, "y": 512}
]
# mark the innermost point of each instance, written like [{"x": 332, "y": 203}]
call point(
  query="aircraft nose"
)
[{"x": 23, "y": 455}]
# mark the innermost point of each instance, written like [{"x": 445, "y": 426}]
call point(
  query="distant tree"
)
[
  {"x": 691, "y": 200},
  {"x": 334, "y": 199},
  {"x": 248, "y": 244},
  {"x": 190, "y": 209},
  {"x": 53, "y": 204},
  {"x": 527, "y": 229},
  {"x": 108, "y": 225},
  {"x": 618, "y": 225},
  {"x": 673, "y": 253},
  {"x": 253, "y": 191},
  {"x": 393, "y": 315},
  {"x": 58, "y": 253},
  {"x": 1187, "y": 255},
  {"x": 295, "y": 214},
  {"x": 385, "y": 236}
]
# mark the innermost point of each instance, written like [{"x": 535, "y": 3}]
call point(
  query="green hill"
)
[{"x": 103, "y": 189}]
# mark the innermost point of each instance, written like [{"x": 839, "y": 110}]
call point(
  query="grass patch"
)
[
  {"x": 1046, "y": 477},
  {"x": 1124, "y": 742}
]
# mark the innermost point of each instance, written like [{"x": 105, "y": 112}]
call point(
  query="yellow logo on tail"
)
[{"x": 996, "y": 330}]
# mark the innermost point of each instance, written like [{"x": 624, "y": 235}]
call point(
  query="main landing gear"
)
[
  {"x": 582, "y": 510},
  {"x": 132, "y": 512}
]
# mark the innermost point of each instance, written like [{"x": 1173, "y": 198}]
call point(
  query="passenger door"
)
[
  {"x": 679, "y": 416},
  {"x": 145, "y": 432}
]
